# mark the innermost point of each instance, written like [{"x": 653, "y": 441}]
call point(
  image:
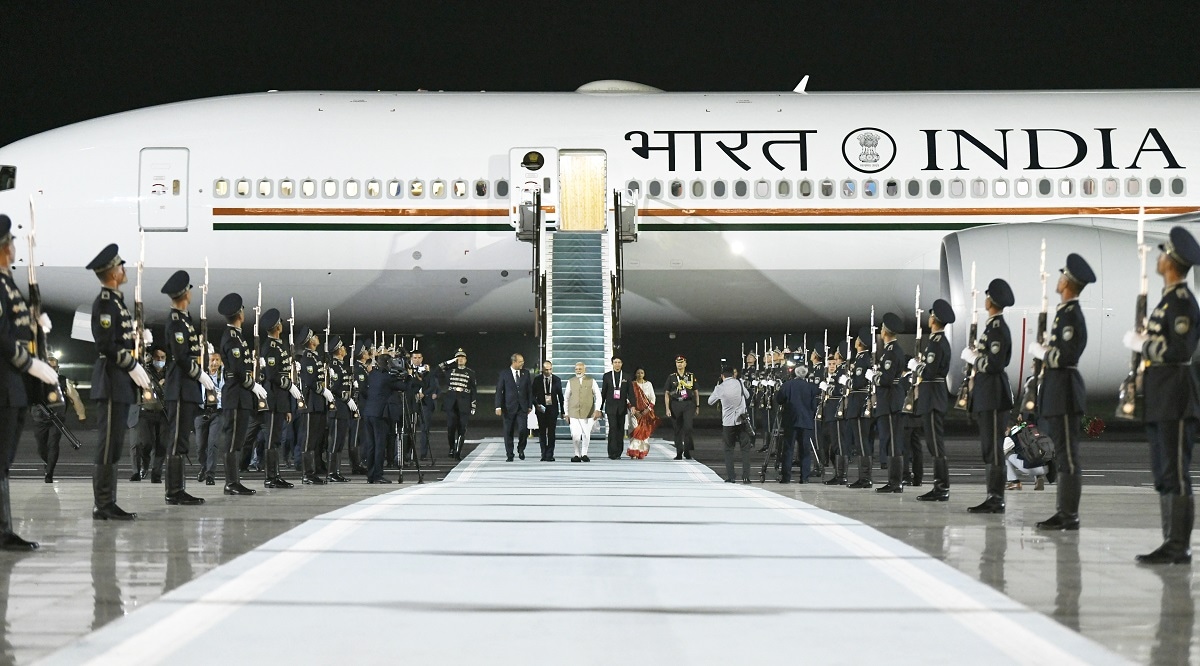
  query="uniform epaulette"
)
[
  {"x": 174, "y": 316},
  {"x": 1182, "y": 292},
  {"x": 104, "y": 295}
]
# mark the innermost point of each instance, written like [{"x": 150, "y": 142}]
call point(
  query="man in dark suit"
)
[
  {"x": 548, "y": 401},
  {"x": 514, "y": 401},
  {"x": 800, "y": 399},
  {"x": 618, "y": 397}
]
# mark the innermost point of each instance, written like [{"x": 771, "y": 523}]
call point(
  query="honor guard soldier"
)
[
  {"x": 185, "y": 384},
  {"x": 313, "y": 426},
  {"x": 358, "y": 433},
  {"x": 857, "y": 383},
  {"x": 890, "y": 402},
  {"x": 276, "y": 364},
  {"x": 1062, "y": 397},
  {"x": 151, "y": 445},
  {"x": 1172, "y": 396},
  {"x": 424, "y": 390},
  {"x": 339, "y": 407},
  {"x": 933, "y": 397},
  {"x": 16, "y": 334},
  {"x": 991, "y": 396},
  {"x": 461, "y": 393},
  {"x": 240, "y": 392},
  {"x": 832, "y": 428},
  {"x": 113, "y": 379}
]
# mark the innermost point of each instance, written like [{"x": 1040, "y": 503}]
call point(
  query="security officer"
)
[
  {"x": 47, "y": 435},
  {"x": 340, "y": 407},
  {"x": 682, "y": 402},
  {"x": 857, "y": 383},
  {"x": 460, "y": 396},
  {"x": 991, "y": 396},
  {"x": 185, "y": 384},
  {"x": 313, "y": 425},
  {"x": 241, "y": 392},
  {"x": 816, "y": 376},
  {"x": 358, "y": 431},
  {"x": 890, "y": 402},
  {"x": 152, "y": 431},
  {"x": 1062, "y": 398},
  {"x": 16, "y": 334},
  {"x": 424, "y": 390},
  {"x": 1172, "y": 407},
  {"x": 113, "y": 378},
  {"x": 276, "y": 363},
  {"x": 933, "y": 397}
]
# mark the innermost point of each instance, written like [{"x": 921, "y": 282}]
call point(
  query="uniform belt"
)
[
  {"x": 939, "y": 380},
  {"x": 459, "y": 390},
  {"x": 1171, "y": 365}
]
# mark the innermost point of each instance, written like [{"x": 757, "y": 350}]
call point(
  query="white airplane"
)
[{"x": 755, "y": 211}]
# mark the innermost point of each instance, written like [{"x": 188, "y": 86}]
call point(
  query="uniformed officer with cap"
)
[
  {"x": 313, "y": 425},
  {"x": 240, "y": 391},
  {"x": 276, "y": 362},
  {"x": 933, "y": 397},
  {"x": 682, "y": 406},
  {"x": 460, "y": 398},
  {"x": 833, "y": 429},
  {"x": 991, "y": 396},
  {"x": 16, "y": 334},
  {"x": 358, "y": 434},
  {"x": 185, "y": 383},
  {"x": 1062, "y": 397},
  {"x": 1172, "y": 396},
  {"x": 857, "y": 383},
  {"x": 113, "y": 379},
  {"x": 340, "y": 407},
  {"x": 889, "y": 401}
]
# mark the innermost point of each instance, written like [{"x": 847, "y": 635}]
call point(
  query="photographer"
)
[
  {"x": 383, "y": 381},
  {"x": 424, "y": 389},
  {"x": 732, "y": 395}
]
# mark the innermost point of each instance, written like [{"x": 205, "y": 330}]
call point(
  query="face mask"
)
[{"x": 160, "y": 364}]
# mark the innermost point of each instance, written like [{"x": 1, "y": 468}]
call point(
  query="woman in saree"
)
[{"x": 643, "y": 416}]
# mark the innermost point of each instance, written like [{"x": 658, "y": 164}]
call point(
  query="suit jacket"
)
[
  {"x": 617, "y": 406},
  {"x": 800, "y": 399},
  {"x": 514, "y": 396},
  {"x": 555, "y": 406}
]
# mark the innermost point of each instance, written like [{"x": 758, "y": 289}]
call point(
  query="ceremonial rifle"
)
[
  {"x": 139, "y": 317},
  {"x": 910, "y": 398},
  {"x": 870, "y": 408},
  {"x": 1129, "y": 406},
  {"x": 1029, "y": 397},
  {"x": 845, "y": 397},
  {"x": 292, "y": 351},
  {"x": 260, "y": 403},
  {"x": 210, "y": 397},
  {"x": 964, "y": 389}
]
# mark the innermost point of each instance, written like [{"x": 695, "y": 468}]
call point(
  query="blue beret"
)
[
  {"x": 230, "y": 305},
  {"x": 108, "y": 258},
  {"x": 177, "y": 285},
  {"x": 1181, "y": 247},
  {"x": 943, "y": 311},
  {"x": 1000, "y": 293}
]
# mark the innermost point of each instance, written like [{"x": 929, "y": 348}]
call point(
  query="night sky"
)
[{"x": 68, "y": 61}]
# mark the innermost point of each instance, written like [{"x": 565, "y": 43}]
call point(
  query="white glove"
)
[
  {"x": 207, "y": 382},
  {"x": 262, "y": 362},
  {"x": 870, "y": 374},
  {"x": 843, "y": 380},
  {"x": 139, "y": 376},
  {"x": 44, "y": 322},
  {"x": 352, "y": 405},
  {"x": 969, "y": 355},
  {"x": 294, "y": 391},
  {"x": 912, "y": 365},
  {"x": 1037, "y": 351},
  {"x": 1133, "y": 340},
  {"x": 147, "y": 337},
  {"x": 327, "y": 395},
  {"x": 259, "y": 391},
  {"x": 42, "y": 370},
  {"x": 296, "y": 365},
  {"x": 824, "y": 386}
]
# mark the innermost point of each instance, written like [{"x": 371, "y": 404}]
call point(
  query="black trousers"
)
[
  {"x": 234, "y": 424},
  {"x": 1171, "y": 455},
  {"x": 423, "y": 424},
  {"x": 47, "y": 436},
  {"x": 376, "y": 436},
  {"x": 616, "y": 433},
  {"x": 338, "y": 431},
  {"x": 547, "y": 423},
  {"x": 458, "y": 416},
  {"x": 312, "y": 434},
  {"x": 153, "y": 434},
  {"x": 890, "y": 442},
  {"x": 113, "y": 425},
  {"x": 933, "y": 425},
  {"x": 12, "y": 422},
  {"x": 682, "y": 414},
  {"x": 208, "y": 430},
  {"x": 730, "y": 438},
  {"x": 515, "y": 426},
  {"x": 181, "y": 417},
  {"x": 992, "y": 424}
]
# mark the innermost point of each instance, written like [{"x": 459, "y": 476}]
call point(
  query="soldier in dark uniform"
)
[
  {"x": 241, "y": 392},
  {"x": 276, "y": 369},
  {"x": 358, "y": 433},
  {"x": 113, "y": 378},
  {"x": 933, "y": 397},
  {"x": 16, "y": 334},
  {"x": 890, "y": 402},
  {"x": 1062, "y": 397},
  {"x": 152, "y": 430},
  {"x": 460, "y": 399},
  {"x": 339, "y": 407},
  {"x": 1172, "y": 396},
  {"x": 185, "y": 384},
  {"x": 831, "y": 427},
  {"x": 991, "y": 396},
  {"x": 313, "y": 426},
  {"x": 682, "y": 402},
  {"x": 856, "y": 382},
  {"x": 424, "y": 390}
]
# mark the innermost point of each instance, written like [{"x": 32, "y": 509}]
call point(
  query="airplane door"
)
[
  {"x": 163, "y": 189},
  {"x": 533, "y": 169},
  {"x": 583, "y": 183}
]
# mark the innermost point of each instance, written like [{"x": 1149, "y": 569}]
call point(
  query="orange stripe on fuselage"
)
[{"x": 718, "y": 212}]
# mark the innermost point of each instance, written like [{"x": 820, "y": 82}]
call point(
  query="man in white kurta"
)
[{"x": 581, "y": 399}]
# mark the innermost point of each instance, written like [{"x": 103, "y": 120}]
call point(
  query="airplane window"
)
[
  {"x": 242, "y": 188},
  {"x": 8, "y": 177},
  {"x": 655, "y": 188},
  {"x": 1112, "y": 187},
  {"x": 741, "y": 189},
  {"x": 221, "y": 188},
  {"x": 373, "y": 189},
  {"x": 460, "y": 189},
  {"x": 957, "y": 187},
  {"x": 891, "y": 189},
  {"x": 762, "y": 189},
  {"x": 633, "y": 185},
  {"x": 783, "y": 189},
  {"x": 350, "y": 189},
  {"x": 1066, "y": 187},
  {"x": 416, "y": 189},
  {"x": 264, "y": 188},
  {"x": 1087, "y": 187},
  {"x": 805, "y": 188},
  {"x": 1000, "y": 187},
  {"x": 697, "y": 189},
  {"x": 395, "y": 189},
  {"x": 287, "y": 188},
  {"x": 1177, "y": 187},
  {"x": 437, "y": 189},
  {"x": 719, "y": 189},
  {"x": 676, "y": 189},
  {"x": 1154, "y": 186},
  {"x": 1022, "y": 187},
  {"x": 979, "y": 188},
  {"x": 308, "y": 188},
  {"x": 849, "y": 189},
  {"x": 481, "y": 189},
  {"x": 502, "y": 188},
  {"x": 935, "y": 187},
  {"x": 329, "y": 188},
  {"x": 1133, "y": 187},
  {"x": 1044, "y": 187},
  {"x": 914, "y": 188},
  {"x": 870, "y": 189},
  {"x": 827, "y": 188}
]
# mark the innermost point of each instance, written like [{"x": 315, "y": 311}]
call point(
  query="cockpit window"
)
[{"x": 8, "y": 177}]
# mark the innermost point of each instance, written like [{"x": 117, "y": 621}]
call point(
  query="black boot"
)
[
  {"x": 840, "y": 463},
  {"x": 995, "y": 491},
  {"x": 274, "y": 480},
  {"x": 941, "y": 483},
  {"x": 1177, "y": 548},
  {"x": 356, "y": 466},
  {"x": 9, "y": 540},
  {"x": 104, "y": 489},
  {"x": 335, "y": 468},
  {"x": 864, "y": 473},
  {"x": 1067, "y": 516},
  {"x": 895, "y": 473},
  {"x": 175, "y": 492},
  {"x": 233, "y": 485},
  {"x": 310, "y": 471}
]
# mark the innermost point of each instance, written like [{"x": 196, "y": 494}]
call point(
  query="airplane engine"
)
[{"x": 1012, "y": 252}]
